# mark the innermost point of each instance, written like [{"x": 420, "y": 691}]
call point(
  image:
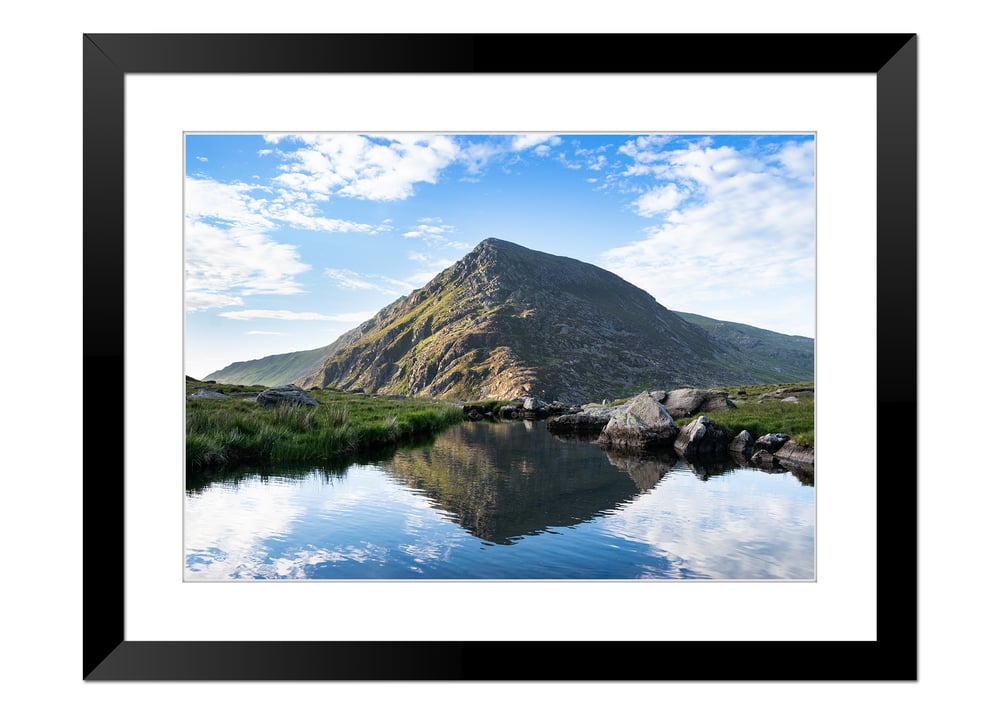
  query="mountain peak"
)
[
  {"x": 492, "y": 242},
  {"x": 495, "y": 246},
  {"x": 507, "y": 321}
]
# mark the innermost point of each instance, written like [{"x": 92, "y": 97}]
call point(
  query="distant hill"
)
[
  {"x": 788, "y": 358},
  {"x": 505, "y": 321},
  {"x": 273, "y": 370}
]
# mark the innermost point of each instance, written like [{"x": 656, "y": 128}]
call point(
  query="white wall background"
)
[{"x": 40, "y": 634}]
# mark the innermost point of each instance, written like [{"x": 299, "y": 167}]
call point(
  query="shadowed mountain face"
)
[{"x": 506, "y": 321}]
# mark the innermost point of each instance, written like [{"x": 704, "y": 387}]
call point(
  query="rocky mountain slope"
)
[
  {"x": 505, "y": 321},
  {"x": 790, "y": 358}
]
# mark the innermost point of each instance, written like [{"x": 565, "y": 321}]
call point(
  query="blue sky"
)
[{"x": 290, "y": 240}]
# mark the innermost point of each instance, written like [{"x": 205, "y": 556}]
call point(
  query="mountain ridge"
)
[{"x": 505, "y": 321}]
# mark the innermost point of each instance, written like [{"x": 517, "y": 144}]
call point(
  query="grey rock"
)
[
  {"x": 770, "y": 442},
  {"x": 659, "y": 395},
  {"x": 792, "y": 454},
  {"x": 742, "y": 443},
  {"x": 688, "y": 402},
  {"x": 702, "y": 438},
  {"x": 288, "y": 395},
  {"x": 533, "y": 404},
  {"x": 644, "y": 423},
  {"x": 791, "y": 400},
  {"x": 590, "y": 419},
  {"x": 767, "y": 461}
]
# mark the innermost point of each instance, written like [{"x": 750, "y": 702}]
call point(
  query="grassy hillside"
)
[{"x": 273, "y": 370}]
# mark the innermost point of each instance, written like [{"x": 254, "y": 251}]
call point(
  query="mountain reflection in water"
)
[
  {"x": 553, "y": 507},
  {"x": 500, "y": 486}
]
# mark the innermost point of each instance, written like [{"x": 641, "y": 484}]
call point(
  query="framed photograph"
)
[{"x": 197, "y": 146}]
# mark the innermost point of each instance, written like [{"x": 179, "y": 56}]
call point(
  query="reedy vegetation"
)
[{"x": 223, "y": 432}]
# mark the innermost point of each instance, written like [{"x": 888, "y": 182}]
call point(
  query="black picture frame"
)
[{"x": 108, "y": 58}]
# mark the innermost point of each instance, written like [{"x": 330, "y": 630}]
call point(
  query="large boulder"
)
[
  {"x": 688, "y": 402},
  {"x": 645, "y": 423},
  {"x": 702, "y": 438},
  {"x": 532, "y": 404},
  {"x": 767, "y": 461},
  {"x": 792, "y": 454},
  {"x": 770, "y": 442},
  {"x": 742, "y": 443},
  {"x": 288, "y": 395}
]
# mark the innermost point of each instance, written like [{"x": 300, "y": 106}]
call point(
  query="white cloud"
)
[
  {"x": 477, "y": 155},
  {"x": 734, "y": 223},
  {"x": 223, "y": 263},
  {"x": 659, "y": 200},
  {"x": 352, "y": 317},
  {"x": 235, "y": 203},
  {"x": 377, "y": 168},
  {"x": 304, "y": 216},
  {"x": 194, "y": 301},
  {"x": 526, "y": 141},
  {"x": 202, "y": 158},
  {"x": 432, "y": 266},
  {"x": 430, "y": 261},
  {"x": 262, "y": 332},
  {"x": 260, "y": 208},
  {"x": 568, "y": 162},
  {"x": 351, "y": 280},
  {"x": 228, "y": 252},
  {"x": 433, "y": 232},
  {"x": 798, "y": 159},
  {"x": 430, "y": 231}
]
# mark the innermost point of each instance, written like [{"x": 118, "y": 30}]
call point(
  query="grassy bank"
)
[
  {"x": 233, "y": 431},
  {"x": 767, "y": 416}
]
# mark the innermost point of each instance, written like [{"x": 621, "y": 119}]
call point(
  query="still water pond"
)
[{"x": 502, "y": 501}]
